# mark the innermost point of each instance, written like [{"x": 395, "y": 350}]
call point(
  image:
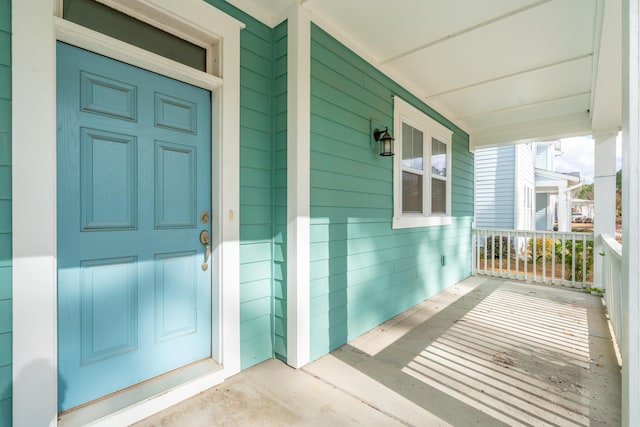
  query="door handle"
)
[{"x": 204, "y": 239}]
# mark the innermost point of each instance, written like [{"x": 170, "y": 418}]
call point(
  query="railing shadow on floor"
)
[{"x": 503, "y": 354}]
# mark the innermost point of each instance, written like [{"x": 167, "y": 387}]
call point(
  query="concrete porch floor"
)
[{"x": 485, "y": 352}]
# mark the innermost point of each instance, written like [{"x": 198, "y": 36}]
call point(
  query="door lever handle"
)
[{"x": 204, "y": 239}]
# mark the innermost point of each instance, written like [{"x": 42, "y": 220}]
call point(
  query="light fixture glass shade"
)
[{"x": 386, "y": 144}]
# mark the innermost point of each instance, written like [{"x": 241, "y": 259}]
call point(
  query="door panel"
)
[
  {"x": 175, "y": 185},
  {"x": 108, "y": 180},
  {"x": 134, "y": 175}
]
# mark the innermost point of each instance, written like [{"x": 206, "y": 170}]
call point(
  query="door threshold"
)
[{"x": 100, "y": 409}]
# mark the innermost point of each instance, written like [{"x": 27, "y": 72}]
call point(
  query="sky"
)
[{"x": 578, "y": 156}]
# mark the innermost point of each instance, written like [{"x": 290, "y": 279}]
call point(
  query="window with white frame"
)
[{"x": 422, "y": 169}]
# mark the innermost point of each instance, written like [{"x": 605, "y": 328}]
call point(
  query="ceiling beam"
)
[
  {"x": 576, "y": 124},
  {"x": 465, "y": 31},
  {"x": 523, "y": 106},
  {"x": 509, "y": 75}
]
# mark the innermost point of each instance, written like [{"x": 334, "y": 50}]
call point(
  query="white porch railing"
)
[
  {"x": 612, "y": 283},
  {"x": 535, "y": 256}
]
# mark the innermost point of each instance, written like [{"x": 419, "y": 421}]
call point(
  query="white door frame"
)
[{"x": 35, "y": 31}]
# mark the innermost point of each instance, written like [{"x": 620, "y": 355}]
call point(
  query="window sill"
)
[{"x": 408, "y": 221}]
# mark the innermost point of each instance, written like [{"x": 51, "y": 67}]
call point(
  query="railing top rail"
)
[
  {"x": 522, "y": 233},
  {"x": 612, "y": 246}
]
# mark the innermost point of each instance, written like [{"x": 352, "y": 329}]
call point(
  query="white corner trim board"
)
[{"x": 298, "y": 179}]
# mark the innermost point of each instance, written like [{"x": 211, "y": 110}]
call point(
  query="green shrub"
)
[
  {"x": 568, "y": 258},
  {"x": 548, "y": 249},
  {"x": 494, "y": 249}
]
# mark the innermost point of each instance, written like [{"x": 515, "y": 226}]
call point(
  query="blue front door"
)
[{"x": 134, "y": 194}]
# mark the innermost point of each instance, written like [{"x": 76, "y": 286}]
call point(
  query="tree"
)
[{"x": 585, "y": 192}]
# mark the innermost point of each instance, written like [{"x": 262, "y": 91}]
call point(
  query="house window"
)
[
  {"x": 529, "y": 214},
  {"x": 422, "y": 169}
]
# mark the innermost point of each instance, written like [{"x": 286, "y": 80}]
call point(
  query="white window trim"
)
[
  {"x": 35, "y": 31},
  {"x": 403, "y": 112}
]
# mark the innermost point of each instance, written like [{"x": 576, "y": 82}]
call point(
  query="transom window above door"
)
[
  {"x": 422, "y": 169},
  {"x": 198, "y": 53}
]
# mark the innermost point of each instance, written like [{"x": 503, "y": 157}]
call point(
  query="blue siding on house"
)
[
  {"x": 5, "y": 215},
  {"x": 280, "y": 190},
  {"x": 362, "y": 271},
  {"x": 495, "y": 187}
]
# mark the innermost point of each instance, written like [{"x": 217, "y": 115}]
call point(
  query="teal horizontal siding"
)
[
  {"x": 280, "y": 190},
  {"x": 256, "y": 199},
  {"x": 6, "y": 301},
  {"x": 256, "y": 187},
  {"x": 362, "y": 271}
]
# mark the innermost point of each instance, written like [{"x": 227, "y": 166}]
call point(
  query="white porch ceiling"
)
[{"x": 504, "y": 70}]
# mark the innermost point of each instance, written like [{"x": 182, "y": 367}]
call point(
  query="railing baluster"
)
[
  {"x": 526, "y": 267},
  {"x": 553, "y": 260},
  {"x": 534, "y": 257},
  {"x": 517, "y": 252},
  {"x": 486, "y": 248},
  {"x": 564, "y": 246},
  {"x": 544, "y": 258},
  {"x": 493, "y": 252},
  {"x": 500, "y": 255},
  {"x": 573, "y": 260},
  {"x": 508, "y": 254},
  {"x": 584, "y": 261},
  {"x": 476, "y": 244}
]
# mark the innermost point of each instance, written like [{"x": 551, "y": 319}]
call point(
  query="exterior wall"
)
[
  {"x": 362, "y": 271},
  {"x": 5, "y": 214},
  {"x": 256, "y": 194},
  {"x": 280, "y": 190},
  {"x": 495, "y": 187},
  {"x": 525, "y": 190},
  {"x": 545, "y": 154},
  {"x": 542, "y": 211},
  {"x": 541, "y": 156}
]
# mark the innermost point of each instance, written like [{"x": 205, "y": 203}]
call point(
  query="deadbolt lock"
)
[{"x": 204, "y": 217}]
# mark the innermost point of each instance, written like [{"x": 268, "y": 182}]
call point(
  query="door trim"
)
[{"x": 35, "y": 31}]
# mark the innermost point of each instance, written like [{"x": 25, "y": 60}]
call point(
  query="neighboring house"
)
[
  {"x": 554, "y": 190},
  {"x": 176, "y": 233},
  {"x": 582, "y": 208},
  {"x": 517, "y": 189},
  {"x": 555, "y": 195},
  {"x": 505, "y": 187}
]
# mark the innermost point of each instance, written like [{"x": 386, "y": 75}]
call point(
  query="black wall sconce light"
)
[{"x": 386, "y": 141}]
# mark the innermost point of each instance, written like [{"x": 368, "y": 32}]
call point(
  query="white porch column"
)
[
  {"x": 564, "y": 211},
  {"x": 35, "y": 374},
  {"x": 298, "y": 184},
  {"x": 604, "y": 190},
  {"x": 631, "y": 212}
]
